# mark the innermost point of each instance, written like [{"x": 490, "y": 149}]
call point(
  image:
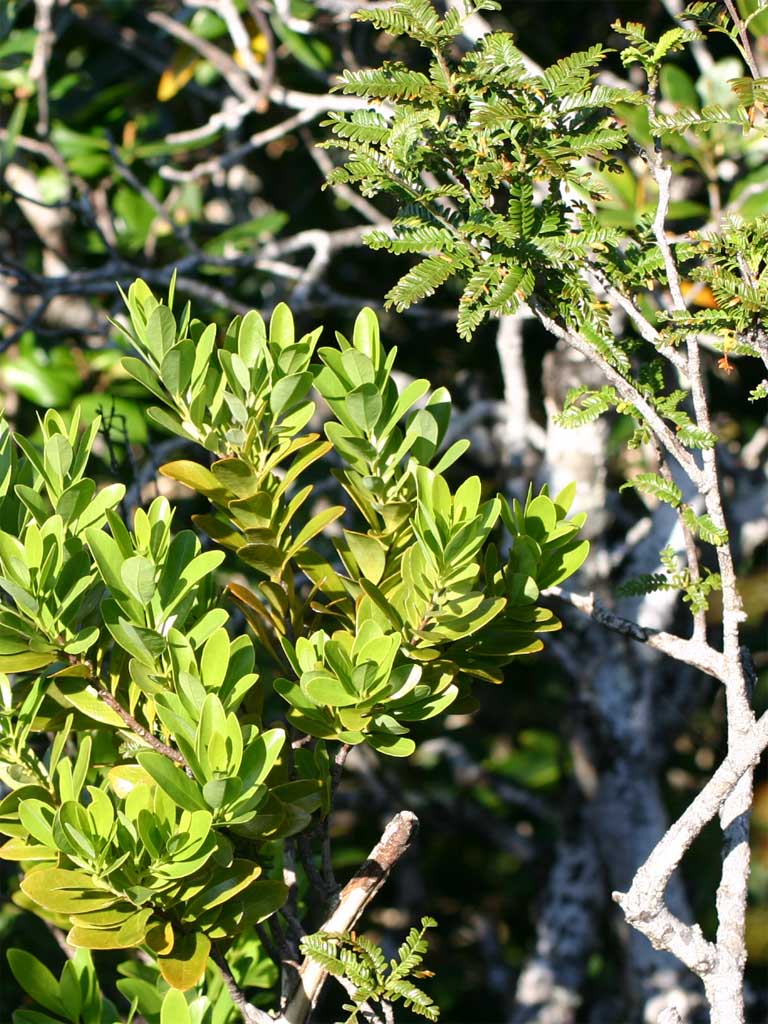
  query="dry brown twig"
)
[{"x": 353, "y": 899}]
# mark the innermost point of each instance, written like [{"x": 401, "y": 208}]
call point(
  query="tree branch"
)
[{"x": 354, "y": 898}]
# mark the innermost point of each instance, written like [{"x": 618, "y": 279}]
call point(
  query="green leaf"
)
[
  {"x": 260, "y": 756},
  {"x": 196, "y": 477},
  {"x": 315, "y": 525},
  {"x": 36, "y": 980},
  {"x": 177, "y": 365},
  {"x": 281, "y": 329},
  {"x": 160, "y": 332},
  {"x": 24, "y": 1016},
  {"x": 143, "y": 644},
  {"x": 172, "y": 779},
  {"x": 657, "y": 486},
  {"x": 289, "y": 391},
  {"x": 227, "y": 885},
  {"x": 127, "y": 936},
  {"x": 369, "y": 553},
  {"x": 85, "y": 699},
  {"x": 264, "y": 898},
  {"x": 325, "y": 689},
  {"x": 364, "y": 405},
  {"x": 25, "y": 662},
  {"x": 215, "y": 659},
  {"x": 138, "y": 577},
  {"x": 394, "y": 746},
  {"x": 144, "y": 375}
]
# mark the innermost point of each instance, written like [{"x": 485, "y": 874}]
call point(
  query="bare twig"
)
[
  {"x": 237, "y": 155},
  {"x": 746, "y": 43},
  {"x": 38, "y": 68},
  {"x": 695, "y": 652},
  {"x": 626, "y": 389},
  {"x": 250, "y": 1014},
  {"x": 643, "y": 904},
  {"x": 354, "y": 898}
]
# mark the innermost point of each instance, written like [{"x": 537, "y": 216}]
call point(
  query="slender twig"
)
[
  {"x": 270, "y": 59},
  {"x": 643, "y": 904},
  {"x": 625, "y": 388},
  {"x": 38, "y": 68},
  {"x": 695, "y": 652},
  {"x": 137, "y": 728},
  {"x": 229, "y": 69},
  {"x": 250, "y": 1014},
  {"x": 234, "y": 156},
  {"x": 746, "y": 44},
  {"x": 355, "y": 897}
]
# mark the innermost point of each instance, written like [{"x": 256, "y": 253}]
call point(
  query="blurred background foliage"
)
[{"x": 132, "y": 142}]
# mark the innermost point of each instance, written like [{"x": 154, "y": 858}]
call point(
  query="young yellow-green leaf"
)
[
  {"x": 196, "y": 477},
  {"x": 186, "y": 963},
  {"x": 127, "y": 935},
  {"x": 174, "y": 1009},
  {"x": 281, "y": 328},
  {"x": 65, "y": 892},
  {"x": 215, "y": 660},
  {"x": 369, "y": 553},
  {"x": 125, "y": 777},
  {"x": 18, "y": 849},
  {"x": 26, "y": 661},
  {"x": 57, "y": 457},
  {"x": 325, "y": 689},
  {"x": 260, "y": 756},
  {"x": 85, "y": 699},
  {"x": 540, "y": 518},
  {"x": 71, "y": 988},
  {"x": 37, "y": 818}
]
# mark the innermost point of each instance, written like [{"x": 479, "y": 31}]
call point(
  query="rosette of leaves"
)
[
  {"x": 131, "y": 823},
  {"x": 129, "y": 862}
]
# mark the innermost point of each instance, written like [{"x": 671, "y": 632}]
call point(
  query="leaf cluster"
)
[
  {"x": 362, "y": 963},
  {"x": 499, "y": 147},
  {"x": 151, "y": 820},
  {"x": 696, "y": 592}
]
